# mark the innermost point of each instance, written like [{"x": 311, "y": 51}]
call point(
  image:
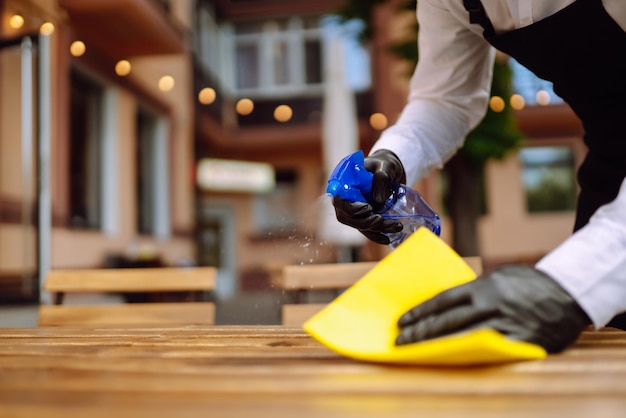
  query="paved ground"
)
[{"x": 18, "y": 316}]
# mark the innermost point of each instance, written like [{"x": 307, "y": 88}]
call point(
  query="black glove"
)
[
  {"x": 387, "y": 170},
  {"x": 518, "y": 301}
]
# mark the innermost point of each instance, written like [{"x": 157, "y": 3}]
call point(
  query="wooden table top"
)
[{"x": 264, "y": 371}]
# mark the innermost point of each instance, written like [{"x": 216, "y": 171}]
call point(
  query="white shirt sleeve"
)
[
  {"x": 591, "y": 264},
  {"x": 449, "y": 91}
]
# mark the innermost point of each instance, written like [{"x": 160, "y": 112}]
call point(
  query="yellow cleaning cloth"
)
[{"x": 362, "y": 322}]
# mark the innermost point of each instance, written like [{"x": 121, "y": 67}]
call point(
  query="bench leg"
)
[{"x": 58, "y": 298}]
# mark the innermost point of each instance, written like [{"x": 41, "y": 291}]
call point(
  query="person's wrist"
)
[
  {"x": 572, "y": 318},
  {"x": 573, "y": 307}
]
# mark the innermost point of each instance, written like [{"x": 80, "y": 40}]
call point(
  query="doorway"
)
[{"x": 216, "y": 244}]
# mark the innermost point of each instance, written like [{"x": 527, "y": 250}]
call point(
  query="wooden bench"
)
[
  {"x": 143, "y": 280},
  {"x": 303, "y": 278}
]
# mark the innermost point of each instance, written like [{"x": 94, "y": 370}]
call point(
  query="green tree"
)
[{"x": 493, "y": 138}]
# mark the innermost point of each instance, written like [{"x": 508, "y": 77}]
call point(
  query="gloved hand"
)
[
  {"x": 518, "y": 301},
  {"x": 387, "y": 170}
]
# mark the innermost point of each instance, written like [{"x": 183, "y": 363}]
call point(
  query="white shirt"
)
[{"x": 448, "y": 97}]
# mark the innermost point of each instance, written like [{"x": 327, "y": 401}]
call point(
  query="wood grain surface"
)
[
  {"x": 336, "y": 275},
  {"x": 128, "y": 314},
  {"x": 296, "y": 314},
  {"x": 264, "y": 371},
  {"x": 131, "y": 280}
]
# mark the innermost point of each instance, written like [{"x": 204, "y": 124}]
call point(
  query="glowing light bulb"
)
[
  {"x": 517, "y": 102},
  {"x": 16, "y": 21},
  {"x": 378, "y": 121},
  {"x": 122, "y": 68},
  {"x": 283, "y": 113},
  {"x": 77, "y": 48},
  {"x": 244, "y": 107},
  {"x": 206, "y": 96},
  {"x": 496, "y": 103},
  {"x": 543, "y": 98},
  {"x": 166, "y": 83},
  {"x": 46, "y": 29}
]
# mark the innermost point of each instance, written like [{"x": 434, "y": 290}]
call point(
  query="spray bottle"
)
[{"x": 351, "y": 181}]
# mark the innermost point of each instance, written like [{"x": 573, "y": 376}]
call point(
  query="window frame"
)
[
  {"x": 207, "y": 40},
  {"x": 153, "y": 197},
  {"x": 575, "y": 163},
  {"x": 102, "y": 132},
  {"x": 295, "y": 36}
]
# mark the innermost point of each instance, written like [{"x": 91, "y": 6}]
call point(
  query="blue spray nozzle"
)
[{"x": 350, "y": 180}]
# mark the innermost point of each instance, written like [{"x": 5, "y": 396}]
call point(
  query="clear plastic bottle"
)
[
  {"x": 410, "y": 208},
  {"x": 351, "y": 181}
]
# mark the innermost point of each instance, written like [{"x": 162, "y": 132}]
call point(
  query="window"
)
[
  {"x": 275, "y": 213},
  {"x": 357, "y": 62},
  {"x": 207, "y": 36},
  {"x": 152, "y": 174},
  {"x": 313, "y": 58},
  {"x": 277, "y": 56},
  {"x": 529, "y": 86},
  {"x": 273, "y": 58},
  {"x": 85, "y": 188},
  {"x": 549, "y": 179}
]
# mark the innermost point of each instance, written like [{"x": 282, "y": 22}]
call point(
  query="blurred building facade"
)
[
  {"x": 163, "y": 87},
  {"x": 529, "y": 196},
  {"x": 120, "y": 137}
]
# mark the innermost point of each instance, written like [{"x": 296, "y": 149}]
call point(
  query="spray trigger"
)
[{"x": 350, "y": 180}]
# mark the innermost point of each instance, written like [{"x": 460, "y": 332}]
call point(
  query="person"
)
[{"x": 578, "y": 45}]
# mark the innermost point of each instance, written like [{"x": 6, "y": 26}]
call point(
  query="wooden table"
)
[{"x": 219, "y": 371}]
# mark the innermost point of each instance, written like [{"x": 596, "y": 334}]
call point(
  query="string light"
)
[
  {"x": 16, "y": 21},
  {"x": 517, "y": 102},
  {"x": 166, "y": 83},
  {"x": 46, "y": 29},
  {"x": 378, "y": 121},
  {"x": 543, "y": 98},
  {"x": 244, "y": 107},
  {"x": 123, "y": 68},
  {"x": 207, "y": 96},
  {"x": 77, "y": 48},
  {"x": 496, "y": 103},
  {"x": 283, "y": 113}
]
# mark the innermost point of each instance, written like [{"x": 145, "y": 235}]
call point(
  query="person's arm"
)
[
  {"x": 448, "y": 97},
  {"x": 449, "y": 91},
  {"x": 591, "y": 264},
  {"x": 582, "y": 281}
]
